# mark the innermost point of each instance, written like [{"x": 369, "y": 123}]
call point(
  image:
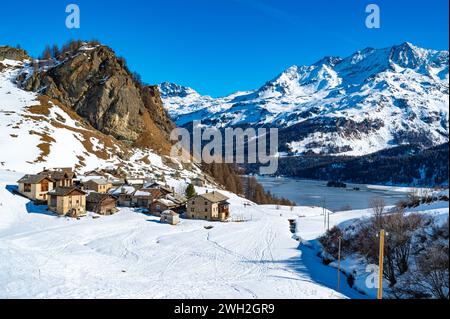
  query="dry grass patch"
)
[
  {"x": 81, "y": 162},
  {"x": 43, "y": 108},
  {"x": 145, "y": 160},
  {"x": 47, "y": 141}
]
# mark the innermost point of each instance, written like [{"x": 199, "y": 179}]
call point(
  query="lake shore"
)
[{"x": 316, "y": 193}]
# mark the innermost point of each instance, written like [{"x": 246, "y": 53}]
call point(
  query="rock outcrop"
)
[
  {"x": 97, "y": 84},
  {"x": 12, "y": 54}
]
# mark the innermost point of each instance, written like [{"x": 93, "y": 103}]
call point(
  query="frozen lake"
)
[{"x": 316, "y": 193}]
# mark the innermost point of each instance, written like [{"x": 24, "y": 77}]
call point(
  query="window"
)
[
  {"x": 44, "y": 186},
  {"x": 27, "y": 188},
  {"x": 192, "y": 209},
  {"x": 206, "y": 210},
  {"x": 53, "y": 201}
]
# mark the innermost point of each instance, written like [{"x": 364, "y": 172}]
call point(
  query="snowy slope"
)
[
  {"x": 131, "y": 255},
  {"x": 372, "y": 100},
  {"x": 36, "y": 132}
]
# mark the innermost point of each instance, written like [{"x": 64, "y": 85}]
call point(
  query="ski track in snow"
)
[{"x": 131, "y": 255}]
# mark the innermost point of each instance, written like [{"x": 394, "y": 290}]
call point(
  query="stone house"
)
[
  {"x": 102, "y": 204},
  {"x": 170, "y": 217},
  {"x": 124, "y": 195},
  {"x": 160, "y": 205},
  {"x": 144, "y": 197},
  {"x": 98, "y": 185},
  {"x": 165, "y": 189},
  {"x": 135, "y": 182},
  {"x": 67, "y": 201},
  {"x": 36, "y": 187},
  {"x": 62, "y": 176},
  {"x": 168, "y": 202},
  {"x": 212, "y": 206}
]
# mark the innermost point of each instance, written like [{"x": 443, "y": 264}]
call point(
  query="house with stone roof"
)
[
  {"x": 124, "y": 195},
  {"x": 64, "y": 176},
  {"x": 170, "y": 217},
  {"x": 67, "y": 201},
  {"x": 102, "y": 204},
  {"x": 36, "y": 187},
  {"x": 98, "y": 185},
  {"x": 212, "y": 206}
]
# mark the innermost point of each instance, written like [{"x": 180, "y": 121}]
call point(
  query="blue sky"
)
[{"x": 221, "y": 46}]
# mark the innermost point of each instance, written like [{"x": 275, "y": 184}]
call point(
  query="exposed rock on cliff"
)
[
  {"x": 97, "y": 84},
  {"x": 12, "y": 54}
]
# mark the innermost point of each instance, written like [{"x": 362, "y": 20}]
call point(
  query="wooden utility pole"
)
[
  {"x": 380, "y": 265},
  {"x": 328, "y": 226},
  {"x": 339, "y": 265}
]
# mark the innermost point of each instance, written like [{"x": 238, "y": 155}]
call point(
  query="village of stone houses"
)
[{"x": 67, "y": 194}]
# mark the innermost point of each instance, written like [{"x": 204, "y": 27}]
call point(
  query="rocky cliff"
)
[
  {"x": 94, "y": 82},
  {"x": 15, "y": 54}
]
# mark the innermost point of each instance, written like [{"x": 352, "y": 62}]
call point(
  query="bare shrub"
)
[
  {"x": 431, "y": 278},
  {"x": 378, "y": 204},
  {"x": 330, "y": 241}
]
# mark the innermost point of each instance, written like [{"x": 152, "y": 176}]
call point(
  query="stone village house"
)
[
  {"x": 98, "y": 185},
  {"x": 172, "y": 202},
  {"x": 63, "y": 176},
  {"x": 124, "y": 195},
  {"x": 36, "y": 187},
  {"x": 102, "y": 204},
  {"x": 144, "y": 197},
  {"x": 170, "y": 217},
  {"x": 67, "y": 201},
  {"x": 212, "y": 206}
]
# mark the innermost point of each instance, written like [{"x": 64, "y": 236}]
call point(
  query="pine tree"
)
[
  {"x": 55, "y": 51},
  {"x": 47, "y": 54},
  {"x": 190, "y": 191}
]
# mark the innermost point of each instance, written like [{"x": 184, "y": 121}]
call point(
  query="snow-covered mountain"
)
[{"x": 372, "y": 100}]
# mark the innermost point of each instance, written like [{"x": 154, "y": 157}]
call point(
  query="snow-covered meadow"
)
[{"x": 132, "y": 255}]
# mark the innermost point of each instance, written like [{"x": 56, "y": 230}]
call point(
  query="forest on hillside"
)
[{"x": 229, "y": 176}]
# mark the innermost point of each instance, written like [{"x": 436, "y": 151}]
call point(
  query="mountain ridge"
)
[{"x": 396, "y": 96}]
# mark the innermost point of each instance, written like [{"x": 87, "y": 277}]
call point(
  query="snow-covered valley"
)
[{"x": 133, "y": 255}]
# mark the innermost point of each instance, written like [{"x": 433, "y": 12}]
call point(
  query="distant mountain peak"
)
[
  {"x": 169, "y": 89},
  {"x": 329, "y": 60},
  {"x": 372, "y": 100}
]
